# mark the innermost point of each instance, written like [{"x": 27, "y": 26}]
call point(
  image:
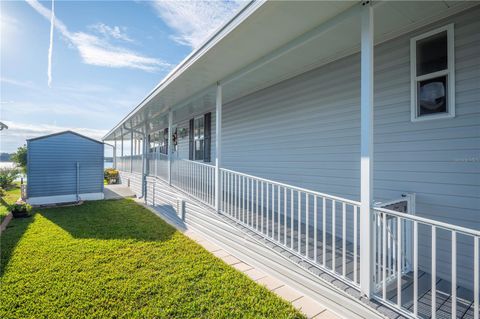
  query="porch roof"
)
[{"x": 283, "y": 39}]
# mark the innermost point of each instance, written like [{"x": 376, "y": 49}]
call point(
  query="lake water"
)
[{"x": 7, "y": 165}]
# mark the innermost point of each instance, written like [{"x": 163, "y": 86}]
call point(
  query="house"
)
[
  {"x": 345, "y": 133},
  {"x": 64, "y": 167}
]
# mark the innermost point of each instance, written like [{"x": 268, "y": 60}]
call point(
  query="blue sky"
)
[{"x": 105, "y": 57}]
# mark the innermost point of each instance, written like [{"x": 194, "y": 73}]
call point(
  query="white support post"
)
[
  {"x": 143, "y": 149},
  {"x": 131, "y": 151},
  {"x": 114, "y": 155},
  {"x": 121, "y": 149},
  {"x": 218, "y": 145},
  {"x": 170, "y": 146},
  {"x": 366, "y": 164}
]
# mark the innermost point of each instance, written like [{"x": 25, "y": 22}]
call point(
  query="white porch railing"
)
[
  {"x": 137, "y": 165},
  {"x": 195, "y": 178},
  {"x": 123, "y": 163},
  {"x": 389, "y": 220},
  {"x": 158, "y": 165},
  {"x": 320, "y": 229}
]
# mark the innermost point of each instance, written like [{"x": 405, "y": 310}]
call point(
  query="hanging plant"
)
[{"x": 175, "y": 138}]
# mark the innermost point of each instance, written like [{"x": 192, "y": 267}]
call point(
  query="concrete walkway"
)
[
  {"x": 117, "y": 191},
  {"x": 308, "y": 306}
]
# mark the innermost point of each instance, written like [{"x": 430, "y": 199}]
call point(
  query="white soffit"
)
[{"x": 273, "y": 26}]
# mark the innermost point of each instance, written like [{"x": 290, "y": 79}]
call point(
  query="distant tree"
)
[
  {"x": 4, "y": 157},
  {"x": 20, "y": 158}
]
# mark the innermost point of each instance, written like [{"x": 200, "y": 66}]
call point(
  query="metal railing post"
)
[
  {"x": 218, "y": 145},
  {"x": 366, "y": 164}
]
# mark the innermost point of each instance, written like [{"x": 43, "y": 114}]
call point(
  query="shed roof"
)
[{"x": 64, "y": 132}]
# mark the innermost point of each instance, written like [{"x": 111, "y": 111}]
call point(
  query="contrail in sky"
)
[{"x": 50, "y": 49}]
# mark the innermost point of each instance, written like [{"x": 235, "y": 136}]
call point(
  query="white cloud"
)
[
  {"x": 17, "y": 133},
  {"x": 195, "y": 20},
  {"x": 115, "y": 32},
  {"x": 50, "y": 48},
  {"x": 99, "y": 51}
]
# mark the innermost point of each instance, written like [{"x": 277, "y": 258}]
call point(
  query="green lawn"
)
[
  {"x": 11, "y": 196},
  {"x": 115, "y": 259}
]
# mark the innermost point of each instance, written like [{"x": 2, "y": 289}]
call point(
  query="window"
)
[
  {"x": 432, "y": 75},
  {"x": 199, "y": 137}
]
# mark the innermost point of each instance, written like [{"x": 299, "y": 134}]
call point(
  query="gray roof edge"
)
[{"x": 63, "y": 132}]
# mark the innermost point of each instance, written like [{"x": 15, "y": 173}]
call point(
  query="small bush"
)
[
  {"x": 8, "y": 176},
  {"x": 2, "y": 192},
  {"x": 20, "y": 209},
  {"x": 111, "y": 175}
]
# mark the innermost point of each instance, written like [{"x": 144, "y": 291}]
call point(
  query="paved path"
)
[{"x": 117, "y": 191}]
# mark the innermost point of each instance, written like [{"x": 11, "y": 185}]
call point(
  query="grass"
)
[
  {"x": 115, "y": 259},
  {"x": 11, "y": 196}
]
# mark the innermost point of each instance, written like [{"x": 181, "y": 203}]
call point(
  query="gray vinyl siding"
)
[
  {"x": 52, "y": 165},
  {"x": 306, "y": 132}
]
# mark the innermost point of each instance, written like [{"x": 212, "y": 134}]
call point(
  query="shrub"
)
[
  {"x": 8, "y": 176},
  {"x": 2, "y": 192},
  {"x": 20, "y": 209},
  {"x": 111, "y": 175},
  {"x": 20, "y": 158}
]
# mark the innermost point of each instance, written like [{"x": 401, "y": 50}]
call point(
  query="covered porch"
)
[{"x": 365, "y": 247}]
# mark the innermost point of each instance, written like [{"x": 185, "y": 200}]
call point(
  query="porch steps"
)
[{"x": 253, "y": 249}]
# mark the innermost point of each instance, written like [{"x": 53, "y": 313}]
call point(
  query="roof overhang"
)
[{"x": 268, "y": 42}]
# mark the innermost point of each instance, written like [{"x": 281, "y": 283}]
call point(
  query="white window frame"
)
[{"x": 449, "y": 72}]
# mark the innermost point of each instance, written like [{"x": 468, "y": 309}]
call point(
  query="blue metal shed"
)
[{"x": 64, "y": 167}]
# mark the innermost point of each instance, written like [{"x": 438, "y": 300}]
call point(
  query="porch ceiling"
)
[{"x": 276, "y": 40}]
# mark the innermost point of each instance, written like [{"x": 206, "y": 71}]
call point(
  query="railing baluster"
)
[
  {"x": 261, "y": 183},
  {"x": 434, "y": 272},
  {"x": 307, "y": 224},
  {"x": 268, "y": 212},
  {"x": 344, "y": 240},
  {"x": 249, "y": 200},
  {"x": 399, "y": 262},
  {"x": 278, "y": 213},
  {"x": 415, "y": 268},
  {"x": 285, "y": 229},
  {"x": 454, "y": 274},
  {"x": 355, "y": 226},
  {"x": 292, "y": 220},
  {"x": 299, "y": 223},
  {"x": 315, "y": 229},
  {"x": 324, "y": 232},
  {"x": 384, "y": 256},
  {"x": 334, "y": 253},
  {"x": 256, "y": 204},
  {"x": 243, "y": 199},
  {"x": 273, "y": 212},
  {"x": 476, "y": 280}
]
